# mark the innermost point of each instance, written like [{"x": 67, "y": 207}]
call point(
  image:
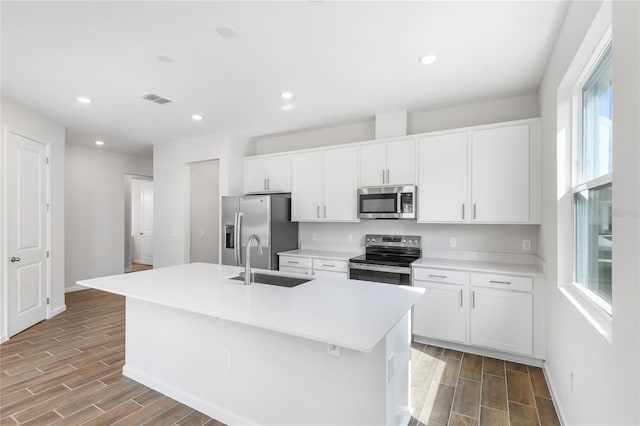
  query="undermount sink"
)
[{"x": 270, "y": 279}]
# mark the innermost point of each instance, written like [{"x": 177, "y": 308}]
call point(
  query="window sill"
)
[{"x": 597, "y": 316}]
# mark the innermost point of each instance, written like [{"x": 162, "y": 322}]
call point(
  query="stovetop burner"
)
[{"x": 390, "y": 250}]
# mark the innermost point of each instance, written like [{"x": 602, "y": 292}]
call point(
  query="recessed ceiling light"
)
[
  {"x": 427, "y": 59},
  {"x": 196, "y": 117},
  {"x": 166, "y": 59},
  {"x": 287, "y": 107},
  {"x": 227, "y": 31},
  {"x": 286, "y": 95},
  {"x": 83, "y": 100},
  {"x": 99, "y": 143}
]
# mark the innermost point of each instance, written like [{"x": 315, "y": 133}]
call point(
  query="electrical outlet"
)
[
  {"x": 350, "y": 238},
  {"x": 572, "y": 380},
  {"x": 526, "y": 244},
  {"x": 453, "y": 242},
  {"x": 313, "y": 236}
]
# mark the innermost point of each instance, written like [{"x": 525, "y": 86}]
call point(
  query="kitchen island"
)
[{"x": 330, "y": 351}]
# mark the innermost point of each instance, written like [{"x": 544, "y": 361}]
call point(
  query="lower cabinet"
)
[
  {"x": 486, "y": 310},
  {"x": 321, "y": 267}
]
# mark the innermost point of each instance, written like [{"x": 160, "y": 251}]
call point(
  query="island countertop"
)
[{"x": 347, "y": 313}]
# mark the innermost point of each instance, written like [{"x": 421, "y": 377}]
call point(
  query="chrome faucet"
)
[{"x": 247, "y": 263}]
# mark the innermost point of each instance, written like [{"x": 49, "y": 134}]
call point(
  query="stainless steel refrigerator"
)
[{"x": 267, "y": 216}]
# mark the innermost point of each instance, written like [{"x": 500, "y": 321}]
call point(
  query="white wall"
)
[
  {"x": 606, "y": 374},
  {"x": 471, "y": 114},
  {"x": 42, "y": 129},
  {"x": 95, "y": 211},
  {"x": 171, "y": 187},
  {"x": 204, "y": 222}
]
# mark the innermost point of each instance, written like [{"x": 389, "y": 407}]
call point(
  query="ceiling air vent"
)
[{"x": 157, "y": 99}]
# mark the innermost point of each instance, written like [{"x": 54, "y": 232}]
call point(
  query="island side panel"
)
[{"x": 240, "y": 374}]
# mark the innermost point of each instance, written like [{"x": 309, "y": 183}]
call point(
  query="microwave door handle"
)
[{"x": 399, "y": 202}]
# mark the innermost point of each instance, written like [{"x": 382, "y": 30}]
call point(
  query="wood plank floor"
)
[
  {"x": 67, "y": 371},
  {"x": 455, "y": 388}
]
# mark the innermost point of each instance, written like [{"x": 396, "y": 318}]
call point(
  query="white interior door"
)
[
  {"x": 27, "y": 232},
  {"x": 147, "y": 223}
]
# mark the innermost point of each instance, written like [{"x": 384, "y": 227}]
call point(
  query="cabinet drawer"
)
[
  {"x": 330, "y": 265},
  {"x": 294, "y": 270},
  {"x": 502, "y": 282},
  {"x": 441, "y": 275},
  {"x": 298, "y": 262}
]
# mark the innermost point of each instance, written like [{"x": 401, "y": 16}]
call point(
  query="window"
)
[{"x": 592, "y": 185}]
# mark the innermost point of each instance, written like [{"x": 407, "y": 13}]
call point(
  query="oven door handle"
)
[{"x": 381, "y": 268}]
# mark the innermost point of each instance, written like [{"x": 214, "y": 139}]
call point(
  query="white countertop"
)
[
  {"x": 528, "y": 269},
  {"x": 321, "y": 254},
  {"x": 347, "y": 313}
]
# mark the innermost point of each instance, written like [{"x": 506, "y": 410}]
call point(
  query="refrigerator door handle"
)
[{"x": 238, "y": 240}]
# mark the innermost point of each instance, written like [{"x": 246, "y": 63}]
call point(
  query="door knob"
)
[{"x": 15, "y": 259}]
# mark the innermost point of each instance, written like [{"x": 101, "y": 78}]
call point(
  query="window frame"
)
[
  {"x": 578, "y": 183},
  {"x": 569, "y": 133}
]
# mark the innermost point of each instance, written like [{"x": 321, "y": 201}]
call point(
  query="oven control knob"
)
[{"x": 373, "y": 240}]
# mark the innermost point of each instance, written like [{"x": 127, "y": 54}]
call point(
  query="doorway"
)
[
  {"x": 27, "y": 247},
  {"x": 138, "y": 223},
  {"x": 204, "y": 211}
]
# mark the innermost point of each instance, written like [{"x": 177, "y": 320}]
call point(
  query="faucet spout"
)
[{"x": 247, "y": 264}]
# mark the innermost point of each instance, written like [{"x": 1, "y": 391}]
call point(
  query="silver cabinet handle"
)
[
  {"x": 500, "y": 282},
  {"x": 462, "y": 211},
  {"x": 438, "y": 276},
  {"x": 325, "y": 212},
  {"x": 383, "y": 176},
  {"x": 387, "y": 175},
  {"x": 293, "y": 262},
  {"x": 15, "y": 259},
  {"x": 473, "y": 299},
  {"x": 268, "y": 184},
  {"x": 318, "y": 212},
  {"x": 474, "y": 210},
  {"x": 461, "y": 298},
  {"x": 326, "y": 264}
]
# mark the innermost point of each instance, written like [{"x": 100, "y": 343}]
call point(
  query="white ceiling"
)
[{"x": 341, "y": 60}]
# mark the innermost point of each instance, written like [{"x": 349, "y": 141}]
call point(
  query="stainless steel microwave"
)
[{"x": 387, "y": 202}]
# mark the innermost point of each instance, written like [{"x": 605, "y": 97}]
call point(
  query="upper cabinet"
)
[
  {"x": 324, "y": 185},
  {"x": 267, "y": 174},
  {"x": 390, "y": 163},
  {"x": 500, "y": 172},
  {"x": 485, "y": 175}
]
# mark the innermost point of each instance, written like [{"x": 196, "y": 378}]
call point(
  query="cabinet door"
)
[
  {"x": 502, "y": 320},
  {"x": 440, "y": 313},
  {"x": 330, "y": 274},
  {"x": 500, "y": 174},
  {"x": 372, "y": 164},
  {"x": 340, "y": 185},
  {"x": 255, "y": 175},
  {"x": 442, "y": 182},
  {"x": 306, "y": 180},
  {"x": 401, "y": 162},
  {"x": 279, "y": 174}
]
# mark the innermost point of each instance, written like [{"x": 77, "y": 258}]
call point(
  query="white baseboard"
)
[
  {"x": 75, "y": 288},
  {"x": 211, "y": 410},
  {"x": 554, "y": 395},
  {"x": 56, "y": 311},
  {"x": 522, "y": 359}
]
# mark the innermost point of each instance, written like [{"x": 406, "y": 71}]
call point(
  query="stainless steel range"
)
[{"x": 387, "y": 259}]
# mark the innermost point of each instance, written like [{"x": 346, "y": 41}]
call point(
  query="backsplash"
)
[{"x": 469, "y": 238}]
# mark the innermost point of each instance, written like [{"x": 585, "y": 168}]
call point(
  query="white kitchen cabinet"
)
[
  {"x": 324, "y": 185},
  {"x": 267, "y": 174},
  {"x": 500, "y": 173},
  {"x": 389, "y": 163},
  {"x": 480, "y": 175},
  {"x": 440, "y": 313},
  {"x": 489, "y": 310},
  {"x": 502, "y": 319},
  {"x": 320, "y": 267},
  {"x": 442, "y": 181}
]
